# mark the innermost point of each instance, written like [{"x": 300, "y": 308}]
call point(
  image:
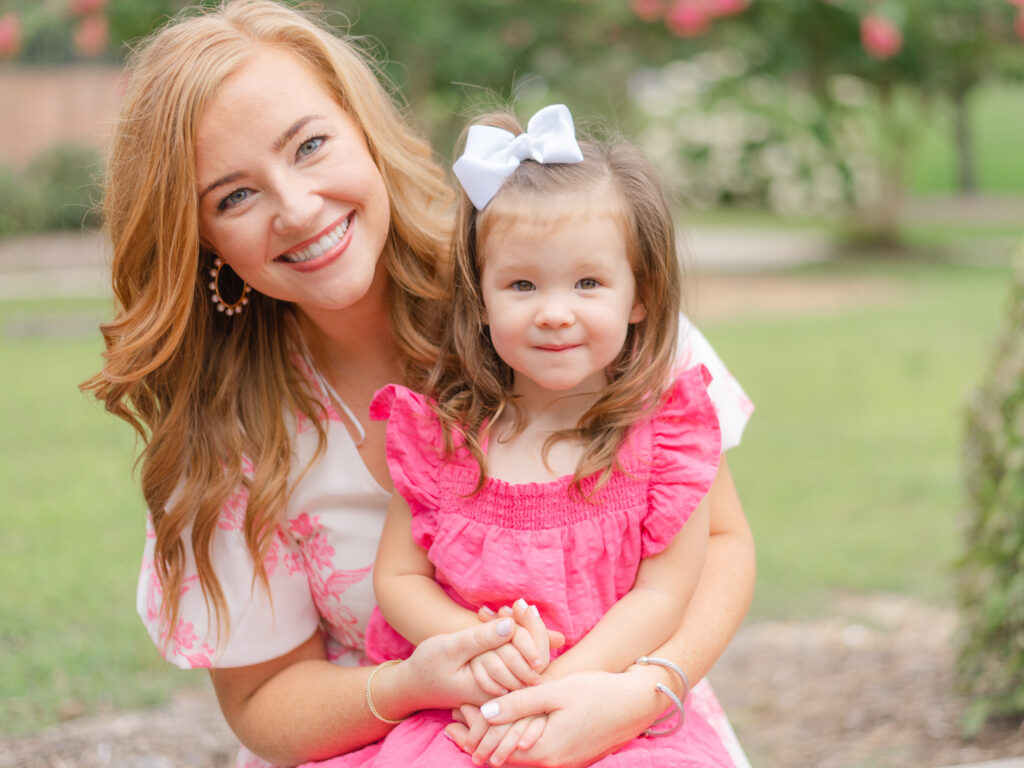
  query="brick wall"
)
[{"x": 46, "y": 106}]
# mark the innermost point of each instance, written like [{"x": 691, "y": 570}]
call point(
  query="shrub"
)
[
  {"x": 20, "y": 210},
  {"x": 991, "y": 570},
  {"x": 65, "y": 177}
]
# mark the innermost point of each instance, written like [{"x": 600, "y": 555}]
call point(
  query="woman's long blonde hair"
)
[
  {"x": 473, "y": 385},
  {"x": 207, "y": 392}
]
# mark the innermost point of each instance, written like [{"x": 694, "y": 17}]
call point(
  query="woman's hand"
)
[
  {"x": 589, "y": 714},
  {"x": 439, "y": 673}
]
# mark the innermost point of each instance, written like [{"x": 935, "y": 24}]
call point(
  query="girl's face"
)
[
  {"x": 289, "y": 195},
  {"x": 559, "y": 299}
]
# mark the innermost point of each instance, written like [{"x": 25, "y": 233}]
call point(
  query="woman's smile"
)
[{"x": 322, "y": 249}]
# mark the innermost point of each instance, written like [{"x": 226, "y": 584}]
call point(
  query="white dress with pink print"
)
[{"x": 321, "y": 558}]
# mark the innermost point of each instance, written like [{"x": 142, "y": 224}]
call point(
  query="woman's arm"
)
[
  {"x": 646, "y": 616},
  {"x": 593, "y": 713},
  {"x": 300, "y": 707}
]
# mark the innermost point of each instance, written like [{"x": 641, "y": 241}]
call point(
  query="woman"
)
[{"x": 279, "y": 237}]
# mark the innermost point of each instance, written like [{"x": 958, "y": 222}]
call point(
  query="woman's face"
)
[{"x": 289, "y": 196}]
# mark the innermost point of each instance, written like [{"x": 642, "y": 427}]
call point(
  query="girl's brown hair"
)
[
  {"x": 208, "y": 392},
  {"x": 473, "y": 386}
]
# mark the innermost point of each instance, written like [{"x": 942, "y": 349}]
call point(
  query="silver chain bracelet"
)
[{"x": 672, "y": 667}]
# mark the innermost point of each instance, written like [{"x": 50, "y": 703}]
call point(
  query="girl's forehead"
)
[{"x": 536, "y": 213}]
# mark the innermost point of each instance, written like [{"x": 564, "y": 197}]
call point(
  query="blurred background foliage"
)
[{"x": 800, "y": 107}]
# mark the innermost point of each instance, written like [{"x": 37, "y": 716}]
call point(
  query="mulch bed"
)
[{"x": 869, "y": 686}]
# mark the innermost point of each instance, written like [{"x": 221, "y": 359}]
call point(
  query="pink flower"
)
[
  {"x": 85, "y": 7},
  {"x": 91, "y": 35},
  {"x": 648, "y": 10},
  {"x": 880, "y": 37},
  {"x": 689, "y": 18},
  {"x": 732, "y": 7},
  {"x": 10, "y": 35}
]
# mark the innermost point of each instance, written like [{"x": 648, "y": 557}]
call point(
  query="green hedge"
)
[
  {"x": 991, "y": 571},
  {"x": 58, "y": 190}
]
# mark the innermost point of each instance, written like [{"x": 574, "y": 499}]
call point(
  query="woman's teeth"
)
[{"x": 318, "y": 247}]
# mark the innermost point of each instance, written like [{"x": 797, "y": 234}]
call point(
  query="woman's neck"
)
[{"x": 353, "y": 347}]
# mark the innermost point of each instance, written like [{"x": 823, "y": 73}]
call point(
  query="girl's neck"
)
[{"x": 547, "y": 410}]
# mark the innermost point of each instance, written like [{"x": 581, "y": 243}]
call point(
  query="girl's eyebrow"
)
[{"x": 278, "y": 145}]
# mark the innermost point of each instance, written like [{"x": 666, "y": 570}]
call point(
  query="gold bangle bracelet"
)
[{"x": 369, "y": 695}]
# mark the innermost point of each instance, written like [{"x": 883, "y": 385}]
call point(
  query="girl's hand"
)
[
  {"x": 528, "y": 617},
  {"x": 589, "y": 714},
  {"x": 493, "y": 744},
  {"x": 518, "y": 663}
]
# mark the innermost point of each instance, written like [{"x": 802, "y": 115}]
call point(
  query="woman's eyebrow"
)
[
  {"x": 231, "y": 177},
  {"x": 297, "y": 126},
  {"x": 285, "y": 137}
]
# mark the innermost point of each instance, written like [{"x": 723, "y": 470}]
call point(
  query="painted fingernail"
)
[
  {"x": 519, "y": 604},
  {"x": 487, "y": 611},
  {"x": 489, "y": 710},
  {"x": 534, "y": 611},
  {"x": 504, "y": 627}
]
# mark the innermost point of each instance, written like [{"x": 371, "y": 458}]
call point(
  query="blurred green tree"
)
[{"x": 927, "y": 51}]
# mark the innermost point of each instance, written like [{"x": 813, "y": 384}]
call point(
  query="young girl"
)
[{"x": 561, "y": 457}]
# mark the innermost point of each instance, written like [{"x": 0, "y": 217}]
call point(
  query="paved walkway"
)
[{"x": 75, "y": 265}]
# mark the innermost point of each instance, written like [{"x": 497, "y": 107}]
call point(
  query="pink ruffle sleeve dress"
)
[{"x": 572, "y": 557}]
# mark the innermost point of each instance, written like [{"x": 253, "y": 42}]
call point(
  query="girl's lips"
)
[
  {"x": 556, "y": 347},
  {"x": 321, "y": 250}
]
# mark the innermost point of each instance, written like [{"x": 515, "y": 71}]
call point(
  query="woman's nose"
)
[{"x": 297, "y": 207}]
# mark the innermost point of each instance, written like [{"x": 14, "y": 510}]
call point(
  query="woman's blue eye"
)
[
  {"x": 587, "y": 282},
  {"x": 236, "y": 197},
  {"x": 309, "y": 146},
  {"x": 522, "y": 285}
]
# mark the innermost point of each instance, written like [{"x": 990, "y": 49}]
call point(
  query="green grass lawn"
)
[
  {"x": 72, "y": 530},
  {"x": 848, "y": 473},
  {"x": 849, "y": 468}
]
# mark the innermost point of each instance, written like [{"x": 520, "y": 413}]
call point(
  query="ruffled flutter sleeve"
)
[
  {"x": 415, "y": 452},
  {"x": 685, "y": 452},
  {"x": 261, "y": 624}
]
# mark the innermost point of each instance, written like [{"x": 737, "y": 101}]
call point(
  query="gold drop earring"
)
[{"x": 228, "y": 308}]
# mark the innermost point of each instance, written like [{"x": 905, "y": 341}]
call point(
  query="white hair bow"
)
[{"x": 492, "y": 154}]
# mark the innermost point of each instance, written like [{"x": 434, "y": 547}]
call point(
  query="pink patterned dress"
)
[
  {"x": 321, "y": 558},
  {"x": 573, "y": 557}
]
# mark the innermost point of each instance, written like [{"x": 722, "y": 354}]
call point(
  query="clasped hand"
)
[{"x": 510, "y": 667}]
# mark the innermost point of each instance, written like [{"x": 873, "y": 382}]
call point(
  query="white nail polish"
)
[
  {"x": 504, "y": 627},
  {"x": 489, "y": 710},
  {"x": 520, "y": 604},
  {"x": 534, "y": 611}
]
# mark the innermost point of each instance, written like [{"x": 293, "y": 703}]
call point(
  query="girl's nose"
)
[
  {"x": 297, "y": 209},
  {"x": 554, "y": 313}
]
